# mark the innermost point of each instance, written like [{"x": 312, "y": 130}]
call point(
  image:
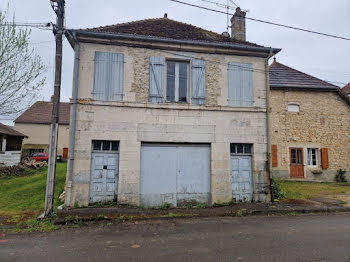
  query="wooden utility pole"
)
[{"x": 58, "y": 7}]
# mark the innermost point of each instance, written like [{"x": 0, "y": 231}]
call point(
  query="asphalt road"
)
[{"x": 288, "y": 238}]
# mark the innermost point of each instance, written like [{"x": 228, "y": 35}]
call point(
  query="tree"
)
[{"x": 21, "y": 69}]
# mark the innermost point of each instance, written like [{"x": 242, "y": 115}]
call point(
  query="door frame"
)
[{"x": 302, "y": 165}]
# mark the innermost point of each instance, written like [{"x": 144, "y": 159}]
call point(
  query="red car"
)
[{"x": 41, "y": 157}]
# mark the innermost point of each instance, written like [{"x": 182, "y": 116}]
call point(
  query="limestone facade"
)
[
  {"x": 135, "y": 120},
  {"x": 323, "y": 122}
]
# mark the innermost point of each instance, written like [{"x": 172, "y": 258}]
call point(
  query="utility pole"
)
[{"x": 58, "y": 7}]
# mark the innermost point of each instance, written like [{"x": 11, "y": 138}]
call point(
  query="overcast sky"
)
[{"x": 323, "y": 57}]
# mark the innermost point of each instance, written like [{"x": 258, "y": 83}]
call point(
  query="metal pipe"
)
[
  {"x": 176, "y": 41},
  {"x": 268, "y": 125},
  {"x": 73, "y": 120}
]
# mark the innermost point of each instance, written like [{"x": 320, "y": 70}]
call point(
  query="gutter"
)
[
  {"x": 268, "y": 123},
  {"x": 174, "y": 41},
  {"x": 74, "y": 117}
]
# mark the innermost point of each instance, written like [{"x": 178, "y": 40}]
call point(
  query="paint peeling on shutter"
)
[
  {"x": 156, "y": 73},
  {"x": 109, "y": 76},
  {"x": 198, "y": 81},
  {"x": 101, "y": 75},
  {"x": 324, "y": 158},
  {"x": 116, "y": 77},
  {"x": 240, "y": 84},
  {"x": 274, "y": 156}
]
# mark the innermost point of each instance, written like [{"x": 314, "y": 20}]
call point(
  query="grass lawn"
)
[
  {"x": 26, "y": 194},
  {"x": 308, "y": 190}
]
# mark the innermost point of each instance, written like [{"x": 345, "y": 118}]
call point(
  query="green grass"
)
[
  {"x": 308, "y": 190},
  {"x": 26, "y": 194}
]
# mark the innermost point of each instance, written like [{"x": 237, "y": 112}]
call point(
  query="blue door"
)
[{"x": 241, "y": 178}]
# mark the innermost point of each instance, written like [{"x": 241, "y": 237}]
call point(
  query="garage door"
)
[{"x": 175, "y": 174}]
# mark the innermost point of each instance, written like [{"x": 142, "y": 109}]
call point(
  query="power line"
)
[{"x": 266, "y": 22}]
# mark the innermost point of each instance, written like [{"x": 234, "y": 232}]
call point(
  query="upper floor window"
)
[
  {"x": 240, "y": 84},
  {"x": 176, "y": 86},
  {"x": 177, "y": 81},
  {"x": 293, "y": 107},
  {"x": 109, "y": 76}
]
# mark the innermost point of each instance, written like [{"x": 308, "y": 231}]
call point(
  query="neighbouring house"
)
[
  {"x": 10, "y": 146},
  {"x": 35, "y": 122},
  {"x": 310, "y": 126},
  {"x": 166, "y": 112}
]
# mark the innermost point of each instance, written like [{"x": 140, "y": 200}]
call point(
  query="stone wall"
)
[
  {"x": 10, "y": 158},
  {"x": 323, "y": 122}
]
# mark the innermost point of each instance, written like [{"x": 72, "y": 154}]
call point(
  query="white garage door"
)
[{"x": 175, "y": 174}]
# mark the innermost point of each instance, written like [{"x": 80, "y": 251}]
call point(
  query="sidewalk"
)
[{"x": 239, "y": 209}]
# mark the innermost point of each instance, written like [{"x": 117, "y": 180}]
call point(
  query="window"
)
[
  {"x": 109, "y": 76},
  {"x": 240, "y": 84},
  {"x": 293, "y": 108},
  {"x": 241, "y": 148},
  {"x": 105, "y": 145},
  {"x": 296, "y": 156},
  {"x": 177, "y": 81},
  {"x": 312, "y": 156}
]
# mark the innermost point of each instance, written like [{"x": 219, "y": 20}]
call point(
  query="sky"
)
[{"x": 323, "y": 57}]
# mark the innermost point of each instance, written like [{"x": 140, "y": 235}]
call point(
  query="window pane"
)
[
  {"x": 97, "y": 145},
  {"x": 294, "y": 157},
  {"x": 182, "y": 82},
  {"x": 170, "y": 87},
  {"x": 233, "y": 148},
  {"x": 308, "y": 157},
  {"x": 106, "y": 145},
  {"x": 240, "y": 148},
  {"x": 115, "y": 146},
  {"x": 247, "y": 148},
  {"x": 299, "y": 156}
]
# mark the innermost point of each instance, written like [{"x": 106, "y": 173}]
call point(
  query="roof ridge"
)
[{"x": 291, "y": 68}]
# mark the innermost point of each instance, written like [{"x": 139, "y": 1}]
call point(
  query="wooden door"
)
[
  {"x": 65, "y": 153},
  {"x": 296, "y": 163}
]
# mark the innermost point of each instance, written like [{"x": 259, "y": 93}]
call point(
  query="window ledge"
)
[{"x": 167, "y": 105}]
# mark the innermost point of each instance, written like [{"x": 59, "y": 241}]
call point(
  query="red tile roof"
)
[
  {"x": 7, "y": 130},
  {"x": 167, "y": 28},
  {"x": 40, "y": 113},
  {"x": 282, "y": 76}
]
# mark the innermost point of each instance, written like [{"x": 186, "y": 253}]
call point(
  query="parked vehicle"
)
[{"x": 41, "y": 157}]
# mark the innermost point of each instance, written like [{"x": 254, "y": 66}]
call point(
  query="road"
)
[{"x": 287, "y": 238}]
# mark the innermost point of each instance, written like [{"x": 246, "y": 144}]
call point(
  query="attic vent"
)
[
  {"x": 165, "y": 15},
  {"x": 226, "y": 34}
]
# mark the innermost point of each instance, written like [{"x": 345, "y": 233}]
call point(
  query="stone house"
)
[
  {"x": 166, "y": 112},
  {"x": 310, "y": 126},
  {"x": 10, "y": 146},
  {"x": 346, "y": 90},
  {"x": 35, "y": 122}
]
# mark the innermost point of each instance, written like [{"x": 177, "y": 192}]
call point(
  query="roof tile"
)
[{"x": 7, "y": 130}]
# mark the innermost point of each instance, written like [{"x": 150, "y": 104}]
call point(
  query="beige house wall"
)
[
  {"x": 40, "y": 133},
  {"x": 134, "y": 121},
  {"x": 323, "y": 122}
]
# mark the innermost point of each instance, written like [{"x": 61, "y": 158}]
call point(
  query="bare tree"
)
[{"x": 21, "y": 69}]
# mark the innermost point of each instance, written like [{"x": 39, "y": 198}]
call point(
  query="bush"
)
[
  {"x": 277, "y": 191},
  {"x": 340, "y": 176}
]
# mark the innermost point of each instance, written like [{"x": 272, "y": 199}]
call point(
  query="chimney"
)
[{"x": 238, "y": 25}]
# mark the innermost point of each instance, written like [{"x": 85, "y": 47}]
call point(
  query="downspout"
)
[
  {"x": 73, "y": 120},
  {"x": 268, "y": 123}
]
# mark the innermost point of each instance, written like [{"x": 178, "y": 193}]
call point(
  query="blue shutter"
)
[
  {"x": 117, "y": 77},
  {"x": 101, "y": 76},
  {"x": 109, "y": 76},
  {"x": 156, "y": 82},
  {"x": 198, "y": 82},
  {"x": 240, "y": 84}
]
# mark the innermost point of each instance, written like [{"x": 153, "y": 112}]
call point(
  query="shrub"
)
[
  {"x": 340, "y": 176},
  {"x": 277, "y": 191}
]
